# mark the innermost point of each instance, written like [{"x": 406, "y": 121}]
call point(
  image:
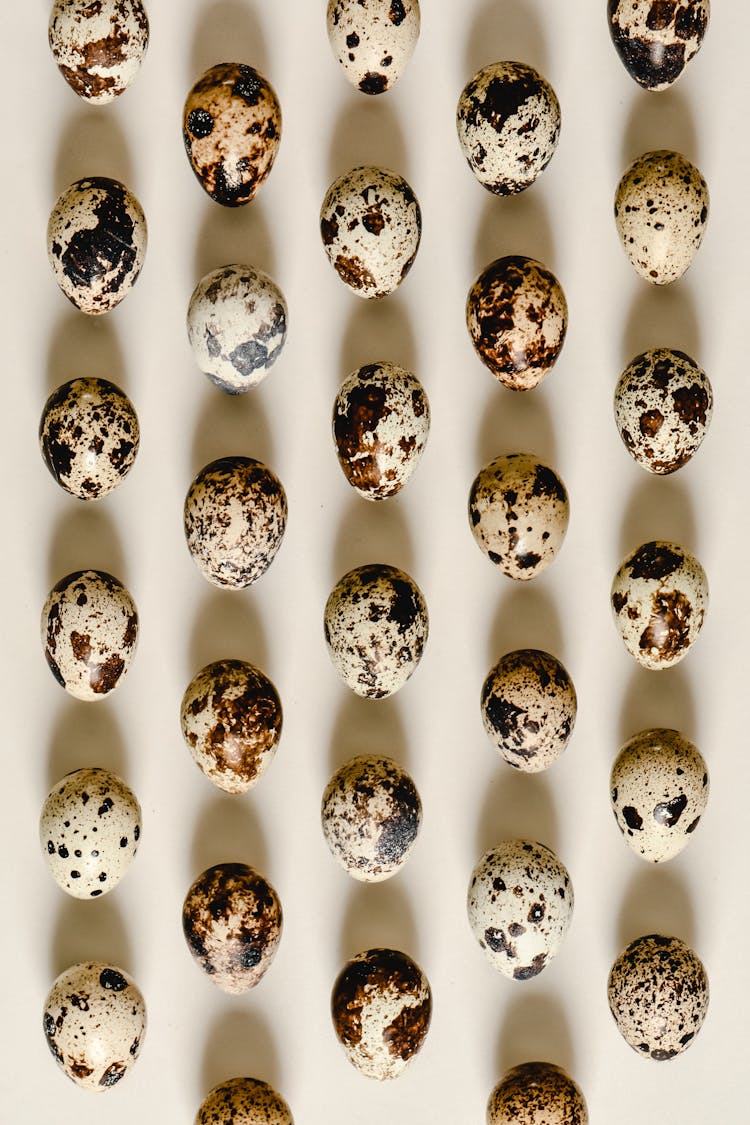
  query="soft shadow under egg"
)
[
  {"x": 517, "y": 224},
  {"x": 373, "y": 532},
  {"x": 657, "y": 901},
  {"x": 367, "y": 726},
  {"x": 85, "y": 736},
  {"x": 228, "y": 32},
  {"x": 515, "y": 422},
  {"x": 511, "y": 30},
  {"x": 661, "y": 316},
  {"x": 227, "y": 830},
  {"x": 90, "y": 931},
  {"x": 92, "y": 144},
  {"x": 652, "y": 701},
  {"x": 227, "y": 626},
  {"x": 658, "y": 509},
  {"x": 663, "y": 121},
  {"x": 84, "y": 347},
  {"x": 367, "y": 132},
  {"x": 85, "y": 538},
  {"x": 535, "y": 1028},
  {"x": 231, "y": 425},
  {"x": 527, "y": 617},
  {"x": 239, "y": 1044},
  {"x": 377, "y": 331},
  {"x": 230, "y": 236},
  {"x": 378, "y": 915},
  {"x": 516, "y": 806}
]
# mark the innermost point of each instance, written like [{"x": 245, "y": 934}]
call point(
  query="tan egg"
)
[
  {"x": 528, "y": 709},
  {"x": 244, "y": 1101},
  {"x": 537, "y": 1093}
]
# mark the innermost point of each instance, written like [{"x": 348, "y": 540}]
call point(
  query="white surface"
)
[{"x": 482, "y": 1022}]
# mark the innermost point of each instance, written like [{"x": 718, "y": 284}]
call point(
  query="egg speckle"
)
[
  {"x": 373, "y": 40},
  {"x": 528, "y": 709},
  {"x": 656, "y": 40},
  {"x": 537, "y": 1093},
  {"x": 244, "y": 1101},
  {"x": 98, "y": 47}
]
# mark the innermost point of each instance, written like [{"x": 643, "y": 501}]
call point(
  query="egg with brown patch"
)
[
  {"x": 98, "y": 47},
  {"x": 537, "y": 1093},
  {"x": 373, "y": 40},
  {"x": 244, "y": 1101},
  {"x": 656, "y": 39}
]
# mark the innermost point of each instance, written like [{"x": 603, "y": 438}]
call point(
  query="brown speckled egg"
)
[
  {"x": 661, "y": 211},
  {"x": 232, "y": 921},
  {"x": 656, "y": 40},
  {"x": 371, "y": 815},
  {"x": 373, "y": 40},
  {"x": 231, "y": 128},
  {"x": 371, "y": 224},
  {"x": 517, "y": 318},
  {"x": 98, "y": 47},
  {"x": 96, "y": 243},
  {"x": 381, "y": 1008},
  {"x": 231, "y": 722},
  {"x": 381, "y": 419},
  {"x": 89, "y": 633},
  {"x": 244, "y": 1101},
  {"x": 518, "y": 511},
  {"x": 658, "y": 995},
  {"x": 537, "y": 1093},
  {"x": 235, "y": 518},
  {"x": 528, "y": 709},
  {"x": 659, "y": 599}
]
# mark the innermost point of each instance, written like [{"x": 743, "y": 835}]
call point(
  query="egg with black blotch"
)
[
  {"x": 656, "y": 39},
  {"x": 537, "y": 1093},
  {"x": 373, "y": 40},
  {"x": 244, "y": 1101}
]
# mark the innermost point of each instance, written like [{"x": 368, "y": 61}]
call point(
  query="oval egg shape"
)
[
  {"x": 373, "y": 40},
  {"x": 656, "y": 40},
  {"x": 98, "y": 47},
  {"x": 244, "y": 1101},
  {"x": 537, "y": 1093}
]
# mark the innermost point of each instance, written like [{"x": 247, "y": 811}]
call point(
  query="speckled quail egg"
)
[
  {"x": 659, "y": 599},
  {"x": 658, "y": 995},
  {"x": 373, "y": 40},
  {"x": 89, "y": 633},
  {"x": 517, "y": 318},
  {"x": 236, "y": 324},
  {"x": 508, "y": 122},
  {"x": 661, "y": 211},
  {"x": 659, "y": 792},
  {"x": 528, "y": 709},
  {"x": 244, "y": 1101},
  {"x": 381, "y": 420},
  {"x": 232, "y": 922},
  {"x": 381, "y": 1008},
  {"x": 231, "y": 128},
  {"x": 371, "y": 814},
  {"x": 94, "y": 1021},
  {"x": 663, "y": 405},
  {"x": 537, "y": 1093},
  {"x": 96, "y": 242},
  {"x": 371, "y": 224},
  {"x": 231, "y": 721},
  {"x": 520, "y": 903},
  {"x": 98, "y": 47},
  {"x": 89, "y": 436},
  {"x": 518, "y": 511},
  {"x": 89, "y": 831},
  {"x": 235, "y": 518},
  {"x": 656, "y": 40},
  {"x": 375, "y": 626}
]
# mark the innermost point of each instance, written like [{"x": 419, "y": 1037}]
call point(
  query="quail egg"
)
[
  {"x": 373, "y": 40},
  {"x": 98, "y": 47},
  {"x": 537, "y": 1093},
  {"x": 244, "y": 1101},
  {"x": 656, "y": 40}
]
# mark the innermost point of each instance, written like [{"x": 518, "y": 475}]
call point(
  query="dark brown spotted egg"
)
[
  {"x": 661, "y": 211},
  {"x": 231, "y": 127},
  {"x": 517, "y": 318},
  {"x": 659, "y": 599},
  {"x": 518, "y": 512},
  {"x": 656, "y": 39},
  {"x": 371, "y": 225},
  {"x": 89, "y": 436},
  {"x": 231, "y": 722},
  {"x": 373, "y": 40},
  {"x": 89, "y": 633},
  {"x": 235, "y": 518},
  {"x": 537, "y": 1093},
  {"x": 528, "y": 709},
  {"x": 381, "y": 1008},
  {"x": 375, "y": 626},
  {"x": 96, "y": 242},
  {"x": 99, "y": 46},
  {"x": 508, "y": 122},
  {"x": 232, "y": 921},
  {"x": 94, "y": 1021},
  {"x": 244, "y": 1101},
  {"x": 658, "y": 995},
  {"x": 381, "y": 420}
]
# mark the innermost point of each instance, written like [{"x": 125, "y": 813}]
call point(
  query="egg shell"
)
[
  {"x": 518, "y": 512},
  {"x": 658, "y": 995},
  {"x": 381, "y": 1008},
  {"x": 98, "y": 47},
  {"x": 371, "y": 225},
  {"x": 659, "y": 598},
  {"x": 89, "y": 633},
  {"x": 244, "y": 1101},
  {"x": 376, "y": 627},
  {"x": 236, "y": 322},
  {"x": 94, "y": 1021},
  {"x": 89, "y": 436},
  {"x": 235, "y": 517},
  {"x": 537, "y": 1093},
  {"x": 371, "y": 814},
  {"x": 96, "y": 243},
  {"x": 656, "y": 40},
  {"x": 508, "y": 122},
  {"x": 373, "y": 40},
  {"x": 89, "y": 830},
  {"x": 528, "y": 709},
  {"x": 232, "y": 922},
  {"x": 381, "y": 421},
  {"x": 659, "y": 792},
  {"x": 231, "y": 721},
  {"x": 520, "y": 902},
  {"x": 231, "y": 128},
  {"x": 663, "y": 407},
  {"x": 517, "y": 317},
  {"x": 661, "y": 211}
]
